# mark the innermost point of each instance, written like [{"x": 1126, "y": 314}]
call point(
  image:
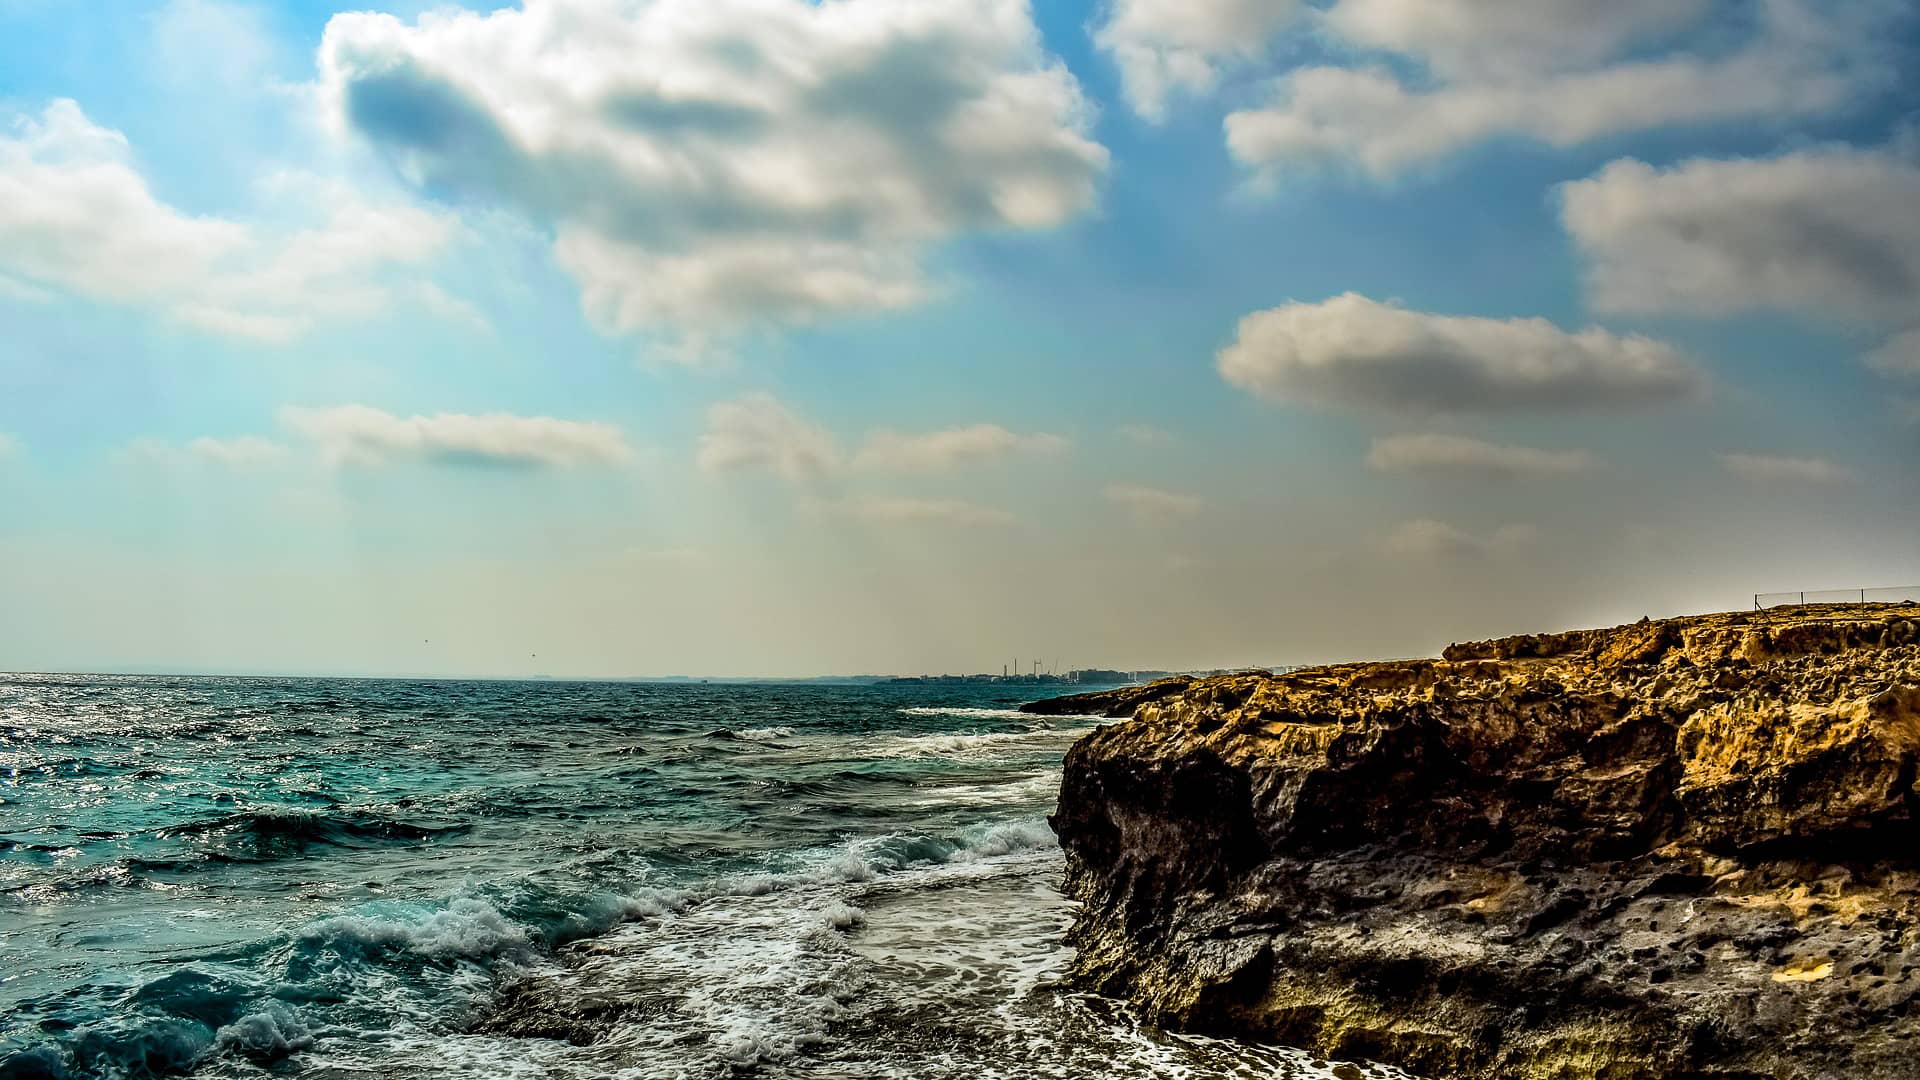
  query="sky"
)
[{"x": 768, "y": 337}]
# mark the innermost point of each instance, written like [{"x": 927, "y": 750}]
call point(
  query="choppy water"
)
[{"x": 344, "y": 878}]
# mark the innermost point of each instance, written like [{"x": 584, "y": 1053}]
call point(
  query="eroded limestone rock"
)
[{"x": 1685, "y": 848}]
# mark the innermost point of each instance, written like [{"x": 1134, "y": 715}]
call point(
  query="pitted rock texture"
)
[{"x": 1685, "y": 848}]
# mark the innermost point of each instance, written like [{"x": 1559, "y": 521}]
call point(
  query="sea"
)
[{"x": 354, "y": 878}]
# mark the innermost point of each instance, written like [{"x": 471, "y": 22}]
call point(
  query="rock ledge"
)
[{"x": 1686, "y": 848}]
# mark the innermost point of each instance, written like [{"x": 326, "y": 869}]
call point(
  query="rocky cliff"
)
[{"x": 1686, "y": 848}]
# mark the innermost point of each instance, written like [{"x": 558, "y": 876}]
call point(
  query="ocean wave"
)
[
  {"x": 970, "y": 744},
  {"x": 288, "y": 832},
  {"x": 759, "y": 734},
  {"x": 190, "y": 1017},
  {"x": 978, "y": 713},
  {"x": 965, "y": 712},
  {"x": 466, "y": 928},
  {"x": 168, "y": 1026}
]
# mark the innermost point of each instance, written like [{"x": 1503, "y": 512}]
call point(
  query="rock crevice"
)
[{"x": 1686, "y": 848}]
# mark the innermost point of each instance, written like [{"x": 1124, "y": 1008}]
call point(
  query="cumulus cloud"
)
[
  {"x": 1355, "y": 352},
  {"x": 1459, "y": 454},
  {"x": 1786, "y": 471},
  {"x": 1153, "y": 505},
  {"x": 712, "y": 165},
  {"x": 1561, "y": 72},
  {"x": 758, "y": 432},
  {"x": 1426, "y": 538},
  {"x": 239, "y": 452},
  {"x": 9, "y": 446},
  {"x": 1146, "y": 435},
  {"x": 77, "y": 215},
  {"x": 1164, "y": 47},
  {"x": 1828, "y": 232},
  {"x": 899, "y": 510},
  {"x": 935, "y": 450},
  {"x": 1899, "y": 357},
  {"x": 363, "y": 435}
]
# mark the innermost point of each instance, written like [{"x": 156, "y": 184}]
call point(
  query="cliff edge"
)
[{"x": 1685, "y": 848}]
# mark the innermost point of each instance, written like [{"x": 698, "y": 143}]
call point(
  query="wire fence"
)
[{"x": 1899, "y": 594}]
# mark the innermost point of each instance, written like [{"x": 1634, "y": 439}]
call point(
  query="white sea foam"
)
[
  {"x": 466, "y": 928},
  {"x": 971, "y": 746},
  {"x": 966, "y": 712},
  {"x": 975, "y": 713},
  {"x": 271, "y": 1033},
  {"x": 947, "y": 967}
]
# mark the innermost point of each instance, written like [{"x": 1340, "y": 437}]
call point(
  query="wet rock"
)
[{"x": 1681, "y": 848}]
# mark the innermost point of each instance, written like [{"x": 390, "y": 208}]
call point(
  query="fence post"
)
[{"x": 1803, "y": 598}]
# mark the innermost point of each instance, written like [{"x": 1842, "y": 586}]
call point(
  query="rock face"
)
[{"x": 1687, "y": 848}]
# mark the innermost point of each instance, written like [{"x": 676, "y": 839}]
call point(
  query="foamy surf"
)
[{"x": 327, "y": 879}]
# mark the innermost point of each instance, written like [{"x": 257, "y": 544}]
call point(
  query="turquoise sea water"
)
[{"x": 345, "y": 878}]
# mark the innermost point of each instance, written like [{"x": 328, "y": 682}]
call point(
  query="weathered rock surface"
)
[
  {"x": 1686, "y": 848},
  {"x": 1121, "y": 701}
]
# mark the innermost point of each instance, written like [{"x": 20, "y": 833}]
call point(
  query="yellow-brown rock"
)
[{"x": 1686, "y": 848}]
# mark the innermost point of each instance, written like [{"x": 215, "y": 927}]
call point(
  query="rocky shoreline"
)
[{"x": 1685, "y": 848}]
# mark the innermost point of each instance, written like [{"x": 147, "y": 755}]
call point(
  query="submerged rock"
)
[{"x": 1685, "y": 848}]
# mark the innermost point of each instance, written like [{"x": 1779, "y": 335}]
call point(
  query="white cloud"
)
[
  {"x": 239, "y": 452},
  {"x": 1355, "y": 352},
  {"x": 935, "y": 450},
  {"x": 895, "y": 510},
  {"x": 1907, "y": 410},
  {"x": 77, "y": 215},
  {"x": 1152, "y": 504},
  {"x": 712, "y": 165},
  {"x": 1533, "y": 71},
  {"x": 362, "y": 435},
  {"x": 9, "y": 446},
  {"x": 1899, "y": 357},
  {"x": 1456, "y": 453},
  {"x": 1773, "y": 469},
  {"x": 1164, "y": 47},
  {"x": 1827, "y": 232},
  {"x": 1426, "y": 538},
  {"x": 1146, "y": 435},
  {"x": 758, "y": 432}
]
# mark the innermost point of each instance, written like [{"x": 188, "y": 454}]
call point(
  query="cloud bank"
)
[
  {"x": 758, "y": 432},
  {"x": 1354, "y": 352},
  {"x": 1829, "y": 233},
  {"x": 1560, "y": 72},
  {"x": 363, "y": 435},
  {"x": 77, "y": 215},
  {"x": 1168, "y": 47},
  {"x": 711, "y": 165}
]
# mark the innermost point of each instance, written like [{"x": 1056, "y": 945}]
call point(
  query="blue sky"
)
[{"x": 619, "y": 337}]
